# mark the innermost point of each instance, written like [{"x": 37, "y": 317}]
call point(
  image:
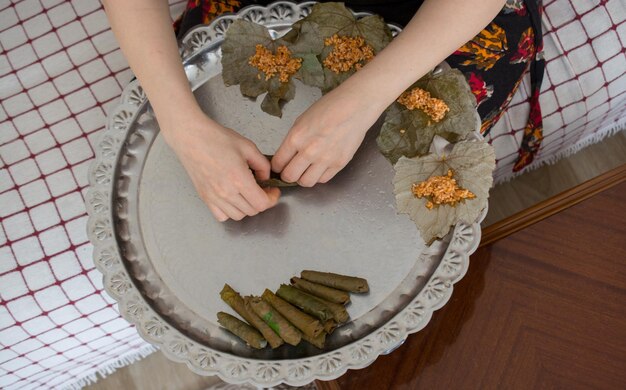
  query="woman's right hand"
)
[
  {"x": 220, "y": 163},
  {"x": 217, "y": 159}
]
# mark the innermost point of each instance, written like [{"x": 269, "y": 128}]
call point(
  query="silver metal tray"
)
[{"x": 165, "y": 259}]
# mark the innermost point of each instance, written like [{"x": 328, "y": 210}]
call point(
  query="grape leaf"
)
[
  {"x": 472, "y": 163},
  {"x": 274, "y": 180},
  {"x": 409, "y": 133},
  {"x": 335, "y": 18},
  {"x": 307, "y": 43},
  {"x": 239, "y": 45},
  {"x": 275, "y": 183}
]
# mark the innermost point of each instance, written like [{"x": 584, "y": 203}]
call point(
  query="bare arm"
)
[
  {"x": 324, "y": 138},
  {"x": 435, "y": 32},
  {"x": 217, "y": 159},
  {"x": 143, "y": 29}
]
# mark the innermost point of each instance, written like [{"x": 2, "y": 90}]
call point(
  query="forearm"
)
[
  {"x": 143, "y": 29},
  {"x": 436, "y": 31}
]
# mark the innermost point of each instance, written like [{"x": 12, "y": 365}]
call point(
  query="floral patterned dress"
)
[{"x": 494, "y": 61}]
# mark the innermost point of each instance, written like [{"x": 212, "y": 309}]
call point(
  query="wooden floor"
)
[
  {"x": 535, "y": 186},
  {"x": 544, "y": 308},
  {"x": 156, "y": 372}
]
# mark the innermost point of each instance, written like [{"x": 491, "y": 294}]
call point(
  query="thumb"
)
[{"x": 273, "y": 193}]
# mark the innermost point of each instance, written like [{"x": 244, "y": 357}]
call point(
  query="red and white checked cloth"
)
[
  {"x": 583, "y": 95},
  {"x": 61, "y": 69}
]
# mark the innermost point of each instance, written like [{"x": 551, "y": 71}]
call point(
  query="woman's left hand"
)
[{"x": 325, "y": 137}]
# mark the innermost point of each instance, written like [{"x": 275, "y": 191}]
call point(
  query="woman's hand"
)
[
  {"x": 217, "y": 159},
  {"x": 219, "y": 162},
  {"x": 325, "y": 137}
]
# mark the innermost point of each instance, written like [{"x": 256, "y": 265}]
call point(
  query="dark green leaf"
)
[
  {"x": 305, "y": 39},
  {"x": 409, "y": 133},
  {"x": 271, "y": 106},
  {"x": 311, "y": 72},
  {"x": 275, "y": 183},
  {"x": 335, "y": 18},
  {"x": 274, "y": 180},
  {"x": 472, "y": 163},
  {"x": 306, "y": 42},
  {"x": 240, "y": 44}
]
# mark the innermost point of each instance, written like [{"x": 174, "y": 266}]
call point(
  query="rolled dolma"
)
[
  {"x": 324, "y": 292},
  {"x": 312, "y": 304},
  {"x": 316, "y": 341},
  {"x": 234, "y": 300},
  {"x": 329, "y": 326},
  {"x": 307, "y": 324},
  {"x": 340, "y": 314},
  {"x": 277, "y": 322},
  {"x": 341, "y": 282},
  {"x": 308, "y": 303},
  {"x": 242, "y": 330}
]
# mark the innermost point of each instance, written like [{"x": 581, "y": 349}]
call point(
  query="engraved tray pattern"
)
[{"x": 129, "y": 278}]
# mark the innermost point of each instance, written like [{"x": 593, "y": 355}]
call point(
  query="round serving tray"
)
[{"x": 165, "y": 259}]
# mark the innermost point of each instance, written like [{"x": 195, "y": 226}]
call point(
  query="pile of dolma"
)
[{"x": 309, "y": 309}]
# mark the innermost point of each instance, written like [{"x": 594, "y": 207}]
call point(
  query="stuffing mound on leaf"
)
[
  {"x": 440, "y": 103},
  {"x": 347, "y": 53},
  {"x": 429, "y": 179},
  {"x": 417, "y": 98},
  {"x": 349, "y": 42},
  {"x": 441, "y": 190},
  {"x": 271, "y": 64},
  {"x": 259, "y": 64}
]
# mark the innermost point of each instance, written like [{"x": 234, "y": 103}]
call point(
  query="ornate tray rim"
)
[{"x": 200, "y": 359}]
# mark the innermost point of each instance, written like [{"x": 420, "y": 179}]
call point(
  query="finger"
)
[
  {"x": 243, "y": 205},
  {"x": 218, "y": 213},
  {"x": 260, "y": 199},
  {"x": 273, "y": 194},
  {"x": 231, "y": 211},
  {"x": 259, "y": 164},
  {"x": 312, "y": 175},
  {"x": 329, "y": 174},
  {"x": 294, "y": 170},
  {"x": 283, "y": 156}
]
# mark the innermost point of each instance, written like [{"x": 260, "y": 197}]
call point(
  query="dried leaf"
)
[
  {"x": 239, "y": 45},
  {"x": 275, "y": 183},
  {"x": 306, "y": 42},
  {"x": 311, "y": 72},
  {"x": 274, "y": 180},
  {"x": 472, "y": 163},
  {"x": 335, "y": 18},
  {"x": 409, "y": 133},
  {"x": 332, "y": 79}
]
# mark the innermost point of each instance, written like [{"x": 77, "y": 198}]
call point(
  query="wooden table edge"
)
[
  {"x": 532, "y": 215},
  {"x": 552, "y": 205}
]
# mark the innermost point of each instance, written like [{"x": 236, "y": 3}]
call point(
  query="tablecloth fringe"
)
[
  {"x": 578, "y": 146},
  {"x": 110, "y": 367}
]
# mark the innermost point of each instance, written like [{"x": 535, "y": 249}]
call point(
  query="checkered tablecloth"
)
[
  {"x": 583, "y": 95},
  {"x": 60, "y": 71}
]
